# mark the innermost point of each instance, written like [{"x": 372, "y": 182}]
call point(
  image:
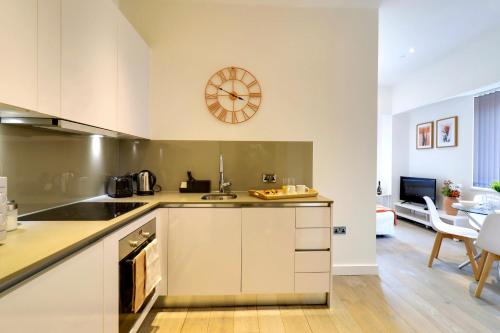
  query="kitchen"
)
[{"x": 83, "y": 62}]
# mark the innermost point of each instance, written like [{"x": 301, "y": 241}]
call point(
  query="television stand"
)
[{"x": 421, "y": 214}]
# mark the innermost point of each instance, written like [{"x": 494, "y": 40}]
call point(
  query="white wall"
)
[
  {"x": 454, "y": 163},
  {"x": 466, "y": 69},
  {"x": 401, "y": 132},
  {"x": 384, "y": 139},
  {"x": 318, "y": 71}
]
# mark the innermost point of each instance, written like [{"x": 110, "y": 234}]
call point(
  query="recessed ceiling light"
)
[{"x": 411, "y": 50}]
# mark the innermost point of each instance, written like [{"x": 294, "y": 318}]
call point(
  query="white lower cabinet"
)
[
  {"x": 312, "y": 239},
  {"x": 65, "y": 298},
  {"x": 312, "y": 261},
  {"x": 162, "y": 236},
  {"x": 204, "y": 251},
  {"x": 268, "y": 248},
  {"x": 312, "y": 282}
]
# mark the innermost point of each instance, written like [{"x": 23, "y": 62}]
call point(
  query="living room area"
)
[{"x": 439, "y": 162}]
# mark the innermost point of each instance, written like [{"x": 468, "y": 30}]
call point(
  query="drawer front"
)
[
  {"x": 312, "y": 282},
  {"x": 312, "y": 261},
  {"x": 312, "y": 217},
  {"x": 312, "y": 239}
]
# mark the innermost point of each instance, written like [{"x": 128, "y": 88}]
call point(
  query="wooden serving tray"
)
[{"x": 278, "y": 194}]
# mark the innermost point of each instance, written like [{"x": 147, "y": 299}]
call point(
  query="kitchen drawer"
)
[
  {"x": 312, "y": 239},
  {"x": 312, "y": 261},
  {"x": 312, "y": 217},
  {"x": 312, "y": 282}
]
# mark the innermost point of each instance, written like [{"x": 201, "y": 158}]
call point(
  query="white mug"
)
[
  {"x": 289, "y": 189},
  {"x": 302, "y": 189}
]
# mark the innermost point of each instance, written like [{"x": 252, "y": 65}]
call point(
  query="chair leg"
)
[
  {"x": 439, "y": 247},
  {"x": 484, "y": 274},
  {"x": 435, "y": 249},
  {"x": 484, "y": 254},
  {"x": 469, "y": 246}
]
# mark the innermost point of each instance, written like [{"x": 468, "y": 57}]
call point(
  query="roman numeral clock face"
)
[{"x": 233, "y": 95}]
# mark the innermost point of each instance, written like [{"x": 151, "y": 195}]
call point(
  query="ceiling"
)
[{"x": 433, "y": 28}]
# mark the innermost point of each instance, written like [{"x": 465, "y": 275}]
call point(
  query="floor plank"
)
[
  {"x": 294, "y": 320},
  {"x": 246, "y": 320},
  {"x": 221, "y": 320},
  {"x": 270, "y": 319},
  {"x": 196, "y": 321},
  {"x": 319, "y": 319},
  {"x": 341, "y": 317},
  {"x": 165, "y": 321}
]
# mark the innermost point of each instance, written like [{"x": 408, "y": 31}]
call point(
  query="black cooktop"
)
[{"x": 84, "y": 211}]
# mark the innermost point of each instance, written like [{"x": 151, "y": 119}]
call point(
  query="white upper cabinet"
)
[
  {"x": 49, "y": 57},
  {"x": 133, "y": 81},
  {"x": 268, "y": 250},
  {"x": 77, "y": 60},
  {"x": 89, "y": 62},
  {"x": 18, "y": 35}
]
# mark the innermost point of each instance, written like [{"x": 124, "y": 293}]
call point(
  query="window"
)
[{"x": 486, "y": 139}]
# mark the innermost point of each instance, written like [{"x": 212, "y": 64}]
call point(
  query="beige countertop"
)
[{"x": 36, "y": 245}]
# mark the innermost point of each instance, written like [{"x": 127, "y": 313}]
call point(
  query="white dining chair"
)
[
  {"x": 445, "y": 230},
  {"x": 489, "y": 242}
]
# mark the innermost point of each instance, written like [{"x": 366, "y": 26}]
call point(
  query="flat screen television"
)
[{"x": 414, "y": 189}]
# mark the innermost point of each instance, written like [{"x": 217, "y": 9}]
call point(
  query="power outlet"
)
[
  {"x": 340, "y": 230},
  {"x": 269, "y": 178}
]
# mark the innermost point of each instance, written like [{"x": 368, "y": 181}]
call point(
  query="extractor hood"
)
[{"x": 58, "y": 125}]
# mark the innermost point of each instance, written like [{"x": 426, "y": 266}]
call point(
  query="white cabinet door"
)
[
  {"x": 18, "y": 34},
  {"x": 89, "y": 62},
  {"x": 268, "y": 249},
  {"x": 65, "y": 298},
  {"x": 162, "y": 236},
  {"x": 49, "y": 57},
  {"x": 204, "y": 251},
  {"x": 133, "y": 81}
]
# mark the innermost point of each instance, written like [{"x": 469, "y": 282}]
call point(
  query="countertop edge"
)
[{"x": 14, "y": 279}]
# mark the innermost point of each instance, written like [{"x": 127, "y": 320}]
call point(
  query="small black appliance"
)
[{"x": 120, "y": 187}]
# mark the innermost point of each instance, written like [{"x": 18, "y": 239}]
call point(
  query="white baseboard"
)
[{"x": 355, "y": 269}]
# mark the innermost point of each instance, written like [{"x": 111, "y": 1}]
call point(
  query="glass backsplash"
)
[
  {"x": 244, "y": 161},
  {"x": 47, "y": 168}
]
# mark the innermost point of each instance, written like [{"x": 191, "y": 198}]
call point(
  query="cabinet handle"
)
[{"x": 133, "y": 243}]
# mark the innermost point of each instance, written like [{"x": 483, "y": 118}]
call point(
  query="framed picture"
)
[
  {"x": 425, "y": 135},
  {"x": 447, "y": 132}
]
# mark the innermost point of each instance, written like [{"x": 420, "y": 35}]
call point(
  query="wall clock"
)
[{"x": 233, "y": 95}]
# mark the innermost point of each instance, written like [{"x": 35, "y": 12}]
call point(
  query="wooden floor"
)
[{"x": 406, "y": 297}]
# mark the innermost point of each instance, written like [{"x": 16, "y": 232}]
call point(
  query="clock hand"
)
[
  {"x": 235, "y": 96},
  {"x": 226, "y": 92}
]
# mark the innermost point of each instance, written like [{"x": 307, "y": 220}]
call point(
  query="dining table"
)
[{"x": 477, "y": 214}]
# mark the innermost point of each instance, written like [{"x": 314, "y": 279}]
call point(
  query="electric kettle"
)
[{"x": 146, "y": 180}]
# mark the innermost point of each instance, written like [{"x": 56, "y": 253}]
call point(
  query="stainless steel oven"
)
[{"x": 130, "y": 248}]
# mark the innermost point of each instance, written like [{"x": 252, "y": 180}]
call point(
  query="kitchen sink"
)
[{"x": 219, "y": 196}]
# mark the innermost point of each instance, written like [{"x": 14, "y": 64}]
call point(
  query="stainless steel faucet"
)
[{"x": 222, "y": 185}]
